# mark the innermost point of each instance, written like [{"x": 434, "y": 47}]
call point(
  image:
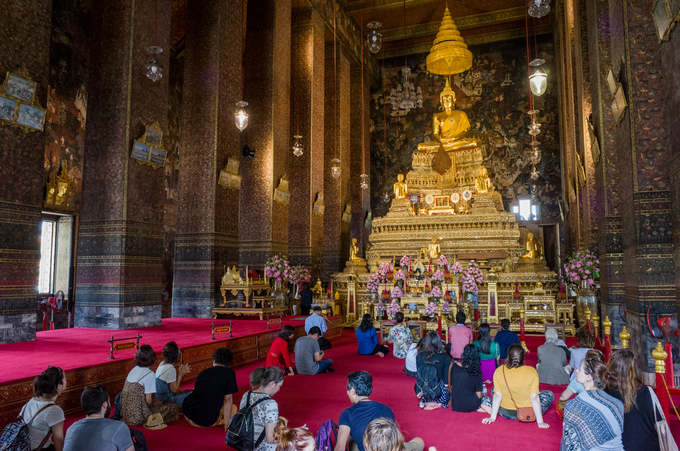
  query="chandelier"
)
[
  {"x": 538, "y": 8},
  {"x": 406, "y": 96}
]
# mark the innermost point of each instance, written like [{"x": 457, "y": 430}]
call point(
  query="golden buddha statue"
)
[
  {"x": 533, "y": 248},
  {"x": 483, "y": 183},
  {"x": 433, "y": 249},
  {"x": 449, "y": 127},
  {"x": 354, "y": 251},
  {"x": 400, "y": 188},
  {"x": 231, "y": 277}
]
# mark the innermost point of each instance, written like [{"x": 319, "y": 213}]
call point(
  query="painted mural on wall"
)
[
  {"x": 67, "y": 91},
  {"x": 494, "y": 94}
]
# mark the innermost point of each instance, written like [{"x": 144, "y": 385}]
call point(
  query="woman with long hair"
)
[
  {"x": 466, "y": 383},
  {"x": 368, "y": 338},
  {"x": 45, "y": 419},
  {"x": 516, "y": 386},
  {"x": 293, "y": 439},
  {"x": 574, "y": 386},
  {"x": 594, "y": 419},
  {"x": 168, "y": 379},
  {"x": 489, "y": 352},
  {"x": 639, "y": 417},
  {"x": 431, "y": 352}
]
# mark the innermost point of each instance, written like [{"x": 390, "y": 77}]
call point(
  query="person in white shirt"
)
[
  {"x": 44, "y": 417},
  {"x": 410, "y": 367},
  {"x": 168, "y": 379}
]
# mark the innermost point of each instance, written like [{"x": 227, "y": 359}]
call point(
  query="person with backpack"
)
[
  {"x": 96, "y": 430},
  {"x": 354, "y": 420},
  {"x": 45, "y": 419},
  {"x": 432, "y": 364},
  {"x": 252, "y": 428}
]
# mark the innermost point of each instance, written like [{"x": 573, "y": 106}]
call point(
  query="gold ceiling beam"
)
[
  {"x": 463, "y": 23},
  {"x": 469, "y": 40},
  {"x": 368, "y": 5}
]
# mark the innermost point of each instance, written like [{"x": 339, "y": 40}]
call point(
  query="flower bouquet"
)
[
  {"x": 373, "y": 284},
  {"x": 438, "y": 276},
  {"x": 436, "y": 292},
  {"x": 405, "y": 261},
  {"x": 469, "y": 285},
  {"x": 400, "y": 275},
  {"x": 431, "y": 309},
  {"x": 442, "y": 260},
  {"x": 446, "y": 308},
  {"x": 278, "y": 268},
  {"x": 300, "y": 275},
  {"x": 582, "y": 266},
  {"x": 397, "y": 293},
  {"x": 393, "y": 308},
  {"x": 456, "y": 268}
]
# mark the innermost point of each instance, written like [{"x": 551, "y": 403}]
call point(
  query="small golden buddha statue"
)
[
  {"x": 231, "y": 277},
  {"x": 354, "y": 251},
  {"x": 400, "y": 188},
  {"x": 433, "y": 249},
  {"x": 483, "y": 182},
  {"x": 532, "y": 247}
]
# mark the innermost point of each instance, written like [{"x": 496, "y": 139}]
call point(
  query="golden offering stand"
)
[{"x": 256, "y": 299}]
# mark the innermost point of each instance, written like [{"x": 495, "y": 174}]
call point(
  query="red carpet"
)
[
  {"x": 313, "y": 399},
  {"x": 77, "y": 348}
]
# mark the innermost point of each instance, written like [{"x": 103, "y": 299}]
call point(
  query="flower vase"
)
[
  {"x": 585, "y": 299},
  {"x": 374, "y": 297}
]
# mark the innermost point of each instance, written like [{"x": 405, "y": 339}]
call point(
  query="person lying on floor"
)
[
  {"x": 168, "y": 379},
  {"x": 355, "y": 420},
  {"x": 96, "y": 430},
  {"x": 211, "y": 402},
  {"x": 315, "y": 319},
  {"x": 367, "y": 337},
  {"x": 308, "y": 355},
  {"x": 278, "y": 354}
]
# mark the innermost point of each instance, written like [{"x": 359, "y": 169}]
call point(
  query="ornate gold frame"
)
[
  {"x": 229, "y": 178},
  {"x": 55, "y": 184},
  {"x": 318, "y": 208},
  {"x": 155, "y": 126},
  {"x": 281, "y": 193},
  {"x": 24, "y": 75},
  {"x": 14, "y": 116}
]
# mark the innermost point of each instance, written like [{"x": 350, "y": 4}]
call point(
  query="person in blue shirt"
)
[
  {"x": 368, "y": 338},
  {"x": 506, "y": 338},
  {"x": 315, "y": 319}
]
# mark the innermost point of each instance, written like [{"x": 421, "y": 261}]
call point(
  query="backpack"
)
[
  {"x": 15, "y": 435},
  {"x": 138, "y": 440},
  {"x": 428, "y": 382},
  {"x": 327, "y": 436},
  {"x": 241, "y": 431}
]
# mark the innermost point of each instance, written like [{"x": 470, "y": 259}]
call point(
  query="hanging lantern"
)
[
  {"x": 535, "y": 152},
  {"x": 297, "y": 148},
  {"x": 534, "y": 172},
  {"x": 386, "y": 197},
  {"x": 335, "y": 168},
  {"x": 240, "y": 115},
  {"x": 154, "y": 71},
  {"x": 538, "y": 80},
  {"x": 364, "y": 181},
  {"x": 538, "y": 8},
  {"x": 374, "y": 38}
]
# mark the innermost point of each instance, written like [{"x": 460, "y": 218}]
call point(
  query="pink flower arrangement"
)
[
  {"x": 384, "y": 268},
  {"x": 436, "y": 292},
  {"x": 438, "y": 276},
  {"x": 431, "y": 309},
  {"x": 456, "y": 268},
  {"x": 582, "y": 266},
  {"x": 300, "y": 275},
  {"x": 380, "y": 308},
  {"x": 405, "y": 261},
  {"x": 278, "y": 268},
  {"x": 446, "y": 308},
  {"x": 469, "y": 285},
  {"x": 373, "y": 285},
  {"x": 400, "y": 275},
  {"x": 393, "y": 308},
  {"x": 397, "y": 293},
  {"x": 442, "y": 260},
  {"x": 473, "y": 272}
]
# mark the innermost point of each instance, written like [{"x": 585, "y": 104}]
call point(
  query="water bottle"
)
[{"x": 483, "y": 389}]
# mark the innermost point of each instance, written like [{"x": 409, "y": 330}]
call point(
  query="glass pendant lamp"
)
[
  {"x": 240, "y": 115},
  {"x": 538, "y": 80},
  {"x": 374, "y": 38}
]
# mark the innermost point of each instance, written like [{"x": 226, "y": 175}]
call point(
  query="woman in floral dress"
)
[{"x": 400, "y": 336}]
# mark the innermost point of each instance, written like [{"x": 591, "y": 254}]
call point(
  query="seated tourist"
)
[
  {"x": 552, "y": 364},
  {"x": 489, "y": 352},
  {"x": 278, "y": 354},
  {"x": 400, "y": 337},
  {"x": 594, "y": 419},
  {"x": 459, "y": 336},
  {"x": 293, "y": 439},
  {"x": 585, "y": 342},
  {"x": 308, "y": 355},
  {"x": 316, "y": 320},
  {"x": 367, "y": 337},
  {"x": 211, "y": 401},
  {"x": 96, "y": 431},
  {"x": 137, "y": 398},
  {"x": 410, "y": 365},
  {"x": 382, "y": 434},
  {"x": 168, "y": 379},
  {"x": 466, "y": 383},
  {"x": 265, "y": 413},
  {"x": 522, "y": 382},
  {"x": 574, "y": 386},
  {"x": 46, "y": 430},
  {"x": 355, "y": 420},
  {"x": 639, "y": 417},
  {"x": 505, "y": 338},
  {"x": 433, "y": 363}
]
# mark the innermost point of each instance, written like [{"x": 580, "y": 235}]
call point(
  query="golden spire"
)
[{"x": 449, "y": 54}]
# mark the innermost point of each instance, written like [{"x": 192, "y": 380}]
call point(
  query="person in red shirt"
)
[{"x": 278, "y": 354}]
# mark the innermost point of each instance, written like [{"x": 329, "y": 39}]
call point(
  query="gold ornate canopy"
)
[{"x": 449, "y": 54}]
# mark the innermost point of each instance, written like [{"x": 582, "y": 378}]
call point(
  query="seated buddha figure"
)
[
  {"x": 449, "y": 127},
  {"x": 400, "y": 188}
]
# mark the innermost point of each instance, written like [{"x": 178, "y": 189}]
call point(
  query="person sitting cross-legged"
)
[
  {"x": 466, "y": 383},
  {"x": 168, "y": 379},
  {"x": 355, "y": 420},
  {"x": 96, "y": 430},
  {"x": 308, "y": 355},
  {"x": 368, "y": 338},
  {"x": 459, "y": 336},
  {"x": 400, "y": 336},
  {"x": 315, "y": 319},
  {"x": 552, "y": 365},
  {"x": 506, "y": 338}
]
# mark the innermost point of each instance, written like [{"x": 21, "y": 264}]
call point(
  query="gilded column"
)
[
  {"x": 120, "y": 241},
  {"x": 25, "y": 30},
  {"x": 263, "y": 222},
  {"x": 207, "y": 223}
]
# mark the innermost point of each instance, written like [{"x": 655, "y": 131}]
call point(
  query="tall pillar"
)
[
  {"x": 306, "y": 172},
  {"x": 25, "y": 30},
  {"x": 120, "y": 242},
  {"x": 359, "y": 164},
  {"x": 336, "y": 143},
  {"x": 263, "y": 223},
  {"x": 207, "y": 215}
]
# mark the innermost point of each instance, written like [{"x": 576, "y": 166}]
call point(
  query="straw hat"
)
[{"x": 155, "y": 421}]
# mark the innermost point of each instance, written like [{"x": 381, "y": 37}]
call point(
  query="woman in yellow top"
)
[{"x": 522, "y": 382}]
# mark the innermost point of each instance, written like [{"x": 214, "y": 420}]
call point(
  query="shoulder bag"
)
[
  {"x": 524, "y": 414},
  {"x": 450, "y": 385},
  {"x": 666, "y": 440}
]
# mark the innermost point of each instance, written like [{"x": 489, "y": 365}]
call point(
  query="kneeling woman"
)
[
  {"x": 466, "y": 383},
  {"x": 368, "y": 338},
  {"x": 516, "y": 386}
]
